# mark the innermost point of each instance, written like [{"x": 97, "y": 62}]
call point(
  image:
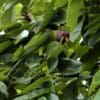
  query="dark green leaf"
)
[
  {"x": 69, "y": 66},
  {"x": 33, "y": 61},
  {"x": 52, "y": 63},
  {"x": 44, "y": 20}
]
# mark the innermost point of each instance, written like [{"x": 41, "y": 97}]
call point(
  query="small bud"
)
[{"x": 62, "y": 35}]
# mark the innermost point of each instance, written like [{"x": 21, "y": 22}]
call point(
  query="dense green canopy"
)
[{"x": 49, "y": 49}]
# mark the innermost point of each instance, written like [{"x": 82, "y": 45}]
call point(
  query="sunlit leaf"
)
[
  {"x": 35, "y": 84},
  {"x": 54, "y": 49},
  {"x": 18, "y": 53},
  {"x": 60, "y": 3},
  {"x": 4, "y": 45},
  {"x": 97, "y": 96},
  {"x": 73, "y": 13},
  {"x": 36, "y": 41},
  {"x": 95, "y": 82}
]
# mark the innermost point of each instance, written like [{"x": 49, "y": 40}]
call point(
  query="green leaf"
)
[
  {"x": 17, "y": 12},
  {"x": 73, "y": 11},
  {"x": 36, "y": 69},
  {"x": 59, "y": 3},
  {"x": 4, "y": 58},
  {"x": 7, "y": 8},
  {"x": 6, "y": 17},
  {"x": 18, "y": 53},
  {"x": 23, "y": 80},
  {"x": 77, "y": 31},
  {"x": 3, "y": 72},
  {"x": 81, "y": 50},
  {"x": 33, "y": 41},
  {"x": 93, "y": 26},
  {"x": 33, "y": 94},
  {"x": 60, "y": 17},
  {"x": 9, "y": 4},
  {"x": 54, "y": 49},
  {"x": 42, "y": 98},
  {"x": 95, "y": 82},
  {"x": 53, "y": 97},
  {"x": 33, "y": 61},
  {"x": 37, "y": 41},
  {"x": 91, "y": 57},
  {"x": 23, "y": 97},
  {"x": 69, "y": 66},
  {"x": 35, "y": 84},
  {"x": 12, "y": 34},
  {"x": 95, "y": 38},
  {"x": 60, "y": 86},
  {"x": 4, "y": 45},
  {"x": 38, "y": 93},
  {"x": 25, "y": 3},
  {"x": 44, "y": 20},
  {"x": 3, "y": 88},
  {"x": 93, "y": 22},
  {"x": 11, "y": 27},
  {"x": 52, "y": 63},
  {"x": 97, "y": 96},
  {"x": 1, "y": 3}
]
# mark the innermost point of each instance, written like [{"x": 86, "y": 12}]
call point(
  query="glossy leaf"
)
[
  {"x": 3, "y": 88},
  {"x": 69, "y": 66},
  {"x": 76, "y": 32},
  {"x": 52, "y": 63},
  {"x": 53, "y": 97}
]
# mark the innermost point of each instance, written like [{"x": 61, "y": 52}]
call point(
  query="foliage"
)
[{"x": 49, "y": 49}]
